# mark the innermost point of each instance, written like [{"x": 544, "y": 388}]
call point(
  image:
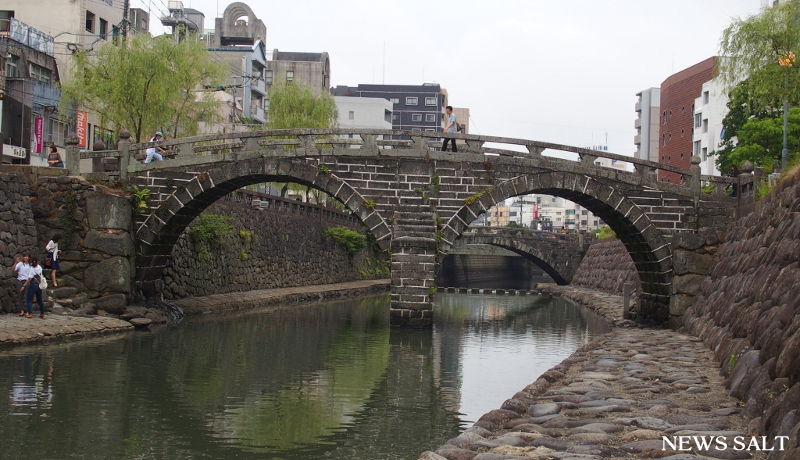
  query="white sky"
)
[{"x": 556, "y": 71}]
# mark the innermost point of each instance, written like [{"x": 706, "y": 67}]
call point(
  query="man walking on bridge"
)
[{"x": 450, "y": 128}]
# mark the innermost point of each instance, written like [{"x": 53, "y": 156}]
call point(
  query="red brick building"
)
[{"x": 676, "y": 124}]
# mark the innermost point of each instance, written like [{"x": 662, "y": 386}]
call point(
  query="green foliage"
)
[
  {"x": 731, "y": 363},
  {"x": 147, "y": 83},
  {"x": 245, "y": 236},
  {"x": 708, "y": 188},
  {"x": 435, "y": 180},
  {"x": 762, "y": 190},
  {"x": 431, "y": 290},
  {"x": 324, "y": 169},
  {"x": 760, "y": 140},
  {"x": 210, "y": 229},
  {"x": 369, "y": 204},
  {"x": 350, "y": 239},
  {"x": 418, "y": 191},
  {"x": 753, "y": 47},
  {"x": 472, "y": 199},
  {"x": 243, "y": 255},
  {"x": 139, "y": 199},
  {"x": 293, "y": 105},
  {"x": 603, "y": 232},
  {"x": 513, "y": 224}
]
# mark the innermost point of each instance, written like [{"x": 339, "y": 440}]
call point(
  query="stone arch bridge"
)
[
  {"x": 415, "y": 200},
  {"x": 558, "y": 255}
]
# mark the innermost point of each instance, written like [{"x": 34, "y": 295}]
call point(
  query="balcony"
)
[
  {"x": 257, "y": 85},
  {"x": 639, "y": 106},
  {"x": 638, "y": 123},
  {"x": 258, "y": 114}
]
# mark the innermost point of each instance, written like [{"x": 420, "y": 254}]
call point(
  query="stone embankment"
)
[
  {"x": 614, "y": 398},
  {"x": 747, "y": 312},
  {"x": 607, "y": 267}
]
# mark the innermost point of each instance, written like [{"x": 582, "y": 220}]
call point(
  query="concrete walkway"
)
[
  {"x": 613, "y": 399},
  {"x": 18, "y": 329}
]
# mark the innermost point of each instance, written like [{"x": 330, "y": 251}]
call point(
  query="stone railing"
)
[{"x": 527, "y": 233}]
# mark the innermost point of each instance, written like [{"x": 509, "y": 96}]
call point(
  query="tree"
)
[
  {"x": 760, "y": 140},
  {"x": 147, "y": 84},
  {"x": 292, "y": 105},
  {"x": 761, "y": 49}
]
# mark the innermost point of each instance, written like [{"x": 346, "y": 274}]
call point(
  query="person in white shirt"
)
[
  {"x": 155, "y": 153},
  {"x": 52, "y": 255},
  {"x": 34, "y": 274},
  {"x": 21, "y": 265}
]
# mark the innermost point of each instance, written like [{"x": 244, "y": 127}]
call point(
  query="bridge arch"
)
[
  {"x": 157, "y": 233},
  {"x": 646, "y": 244}
]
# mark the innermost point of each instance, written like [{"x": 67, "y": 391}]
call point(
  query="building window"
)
[
  {"x": 103, "y": 28},
  {"x": 584, "y": 213},
  {"x": 682, "y": 133},
  {"x": 416, "y": 129},
  {"x": 416, "y": 117},
  {"x": 705, "y": 125},
  {"x": 56, "y": 131},
  {"x": 698, "y": 120},
  {"x": 395, "y": 117},
  {"x": 11, "y": 66},
  {"x": 705, "y": 153},
  {"x": 681, "y": 155},
  {"x": 583, "y": 223},
  {"x": 430, "y": 130},
  {"x": 412, "y": 101},
  {"x": 351, "y": 115},
  {"x": 290, "y": 76},
  {"x": 39, "y": 73},
  {"x": 144, "y": 24},
  {"x": 430, "y": 117},
  {"x": 430, "y": 101},
  {"x": 268, "y": 77},
  {"x": 705, "y": 98},
  {"x": 394, "y": 100},
  {"x": 89, "y": 21}
]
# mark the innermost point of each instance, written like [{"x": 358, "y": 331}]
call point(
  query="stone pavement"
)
[
  {"x": 17, "y": 329},
  {"x": 263, "y": 297},
  {"x": 614, "y": 398}
]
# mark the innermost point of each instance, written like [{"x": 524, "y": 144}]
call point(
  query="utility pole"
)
[{"x": 125, "y": 6}]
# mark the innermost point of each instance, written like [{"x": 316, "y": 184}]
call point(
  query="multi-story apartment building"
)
[
  {"x": 677, "y": 118},
  {"x": 646, "y": 124},
  {"x": 29, "y": 93},
  {"x": 710, "y": 109},
  {"x": 79, "y": 25},
  {"x": 415, "y": 107},
  {"x": 239, "y": 39},
  {"x": 364, "y": 113}
]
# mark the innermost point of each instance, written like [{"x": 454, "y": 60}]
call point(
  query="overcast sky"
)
[{"x": 557, "y": 71}]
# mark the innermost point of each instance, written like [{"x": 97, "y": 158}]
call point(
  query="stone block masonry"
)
[
  {"x": 265, "y": 250},
  {"x": 746, "y": 310},
  {"x": 17, "y": 232}
]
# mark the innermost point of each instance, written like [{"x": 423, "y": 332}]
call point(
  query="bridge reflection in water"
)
[{"x": 329, "y": 380}]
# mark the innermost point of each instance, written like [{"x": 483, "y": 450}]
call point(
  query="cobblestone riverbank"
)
[{"x": 615, "y": 398}]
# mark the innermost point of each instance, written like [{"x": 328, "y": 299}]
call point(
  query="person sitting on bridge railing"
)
[
  {"x": 450, "y": 128},
  {"x": 155, "y": 152}
]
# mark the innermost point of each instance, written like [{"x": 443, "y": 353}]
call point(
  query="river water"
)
[{"x": 325, "y": 380}]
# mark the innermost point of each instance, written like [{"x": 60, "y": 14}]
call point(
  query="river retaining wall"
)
[
  {"x": 265, "y": 250},
  {"x": 746, "y": 311}
]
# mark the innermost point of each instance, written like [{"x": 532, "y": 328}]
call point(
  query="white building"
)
[
  {"x": 552, "y": 212},
  {"x": 364, "y": 112},
  {"x": 647, "y": 115},
  {"x": 709, "y": 111},
  {"x": 766, "y": 3}
]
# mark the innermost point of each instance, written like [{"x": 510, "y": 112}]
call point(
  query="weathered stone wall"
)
[
  {"x": 277, "y": 250},
  {"x": 17, "y": 232},
  {"x": 746, "y": 311},
  {"x": 97, "y": 246},
  {"x": 606, "y": 267}
]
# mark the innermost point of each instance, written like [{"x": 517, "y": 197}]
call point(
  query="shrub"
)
[
  {"x": 139, "y": 199},
  {"x": 603, "y": 232},
  {"x": 210, "y": 229},
  {"x": 350, "y": 239}
]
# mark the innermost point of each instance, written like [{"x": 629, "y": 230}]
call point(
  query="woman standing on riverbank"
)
[
  {"x": 52, "y": 257},
  {"x": 34, "y": 273},
  {"x": 21, "y": 266}
]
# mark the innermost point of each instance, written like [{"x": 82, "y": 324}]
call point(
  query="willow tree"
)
[
  {"x": 293, "y": 105},
  {"x": 147, "y": 84},
  {"x": 762, "y": 49}
]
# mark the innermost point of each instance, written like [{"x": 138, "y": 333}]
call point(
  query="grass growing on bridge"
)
[
  {"x": 350, "y": 239},
  {"x": 210, "y": 230}
]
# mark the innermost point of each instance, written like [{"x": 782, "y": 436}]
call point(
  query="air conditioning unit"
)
[{"x": 175, "y": 6}]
